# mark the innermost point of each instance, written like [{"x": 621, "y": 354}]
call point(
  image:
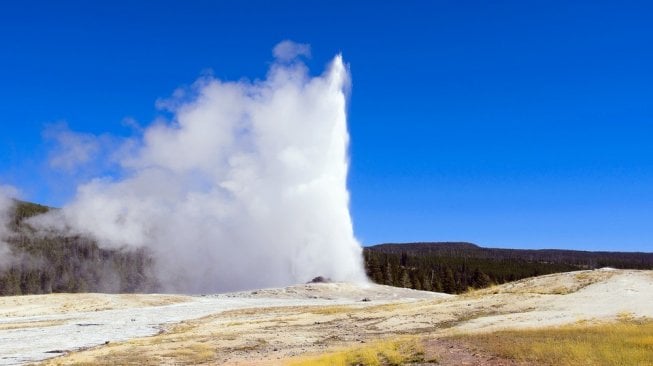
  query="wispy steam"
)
[
  {"x": 289, "y": 50},
  {"x": 7, "y": 203},
  {"x": 244, "y": 187}
]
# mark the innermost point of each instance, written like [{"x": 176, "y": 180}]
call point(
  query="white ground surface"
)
[
  {"x": 45, "y": 326},
  {"x": 622, "y": 294},
  {"x": 31, "y": 327}
]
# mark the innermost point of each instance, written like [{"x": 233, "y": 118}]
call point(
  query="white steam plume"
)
[{"x": 245, "y": 187}]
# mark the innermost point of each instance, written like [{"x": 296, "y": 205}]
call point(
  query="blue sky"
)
[{"x": 509, "y": 124}]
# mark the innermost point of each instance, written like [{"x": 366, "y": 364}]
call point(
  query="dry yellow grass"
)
[
  {"x": 331, "y": 310},
  {"x": 130, "y": 358},
  {"x": 193, "y": 354},
  {"x": 626, "y": 342},
  {"x": 178, "y": 346},
  {"x": 382, "y": 352}
]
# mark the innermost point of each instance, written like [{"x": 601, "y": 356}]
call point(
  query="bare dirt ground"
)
[{"x": 272, "y": 326}]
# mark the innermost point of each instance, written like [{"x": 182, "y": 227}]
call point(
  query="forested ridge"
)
[
  {"x": 55, "y": 262},
  {"x": 43, "y": 263},
  {"x": 456, "y": 267}
]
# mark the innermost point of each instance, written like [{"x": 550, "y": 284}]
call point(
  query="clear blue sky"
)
[{"x": 510, "y": 124}]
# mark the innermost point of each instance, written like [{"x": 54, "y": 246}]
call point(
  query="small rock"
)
[{"x": 320, "y": 279}]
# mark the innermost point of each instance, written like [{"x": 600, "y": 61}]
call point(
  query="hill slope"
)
[
  {"x": 50, "y": 262},
  {"x": 455, "y": 267}
]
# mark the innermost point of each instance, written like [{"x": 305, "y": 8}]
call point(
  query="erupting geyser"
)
[{"x": 244, "y": 187}]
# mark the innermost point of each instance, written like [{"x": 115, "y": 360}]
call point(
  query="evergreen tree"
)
[
  {"x": 417, "y": 284},
  {"x": 405, "y": 279},
  {"x": 374, "y": 269},
  {"x": 448, "y": 281},
  {"x": 404, "y": 259},
  {"x": 388, "y": 278},
  {"x": 480, "y": 279},
  {"x": 426, "y": 282}
]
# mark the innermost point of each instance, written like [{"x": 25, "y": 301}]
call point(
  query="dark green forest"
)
[
  {"x": 457, "y": 267},
  {"x": 54, "y": 262},
  {"x": 45, "y": 263}
]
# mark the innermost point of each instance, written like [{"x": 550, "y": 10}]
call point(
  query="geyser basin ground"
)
[
  {"x": 270, "y": 326},
  {"x": 37, "y": 327}
]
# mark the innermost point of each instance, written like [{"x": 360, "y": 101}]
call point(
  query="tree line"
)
[
  {"x": 457, "y": 267},
  {"x": 46, "y": 263}
]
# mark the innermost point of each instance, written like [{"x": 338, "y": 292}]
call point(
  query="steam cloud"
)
[
  {"x": 245, "y": 187},
  {"x": 6, "y": 211}
]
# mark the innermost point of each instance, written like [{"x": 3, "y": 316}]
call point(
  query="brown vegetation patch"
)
[{"x": 626, "y": 342}]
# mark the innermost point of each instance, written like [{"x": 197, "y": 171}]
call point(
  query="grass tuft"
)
[
  {"x": 193, "y": 354},
  {"x": 331, "y": 310}
]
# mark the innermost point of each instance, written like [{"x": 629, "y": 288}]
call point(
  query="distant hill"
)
[
  {"x": 56, "y": 262},
  {"x": 455, "y": 267},
  {"x": 585, "y": 259}
]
